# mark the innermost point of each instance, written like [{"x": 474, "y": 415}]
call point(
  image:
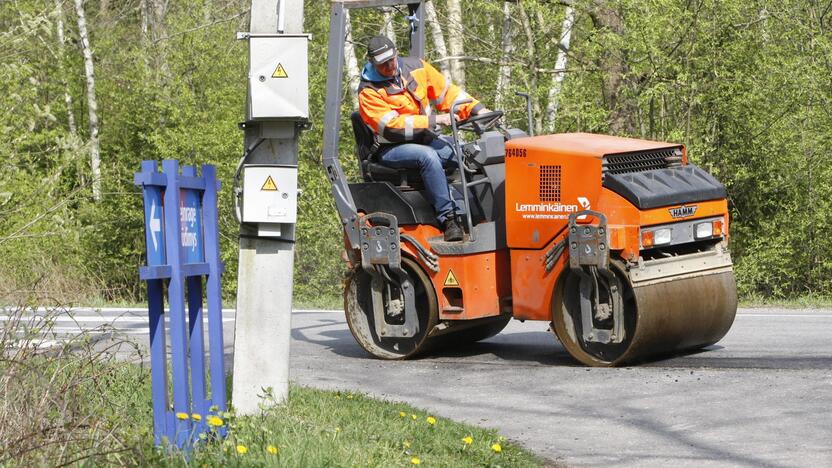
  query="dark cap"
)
[{"x": 380, "y": 49}]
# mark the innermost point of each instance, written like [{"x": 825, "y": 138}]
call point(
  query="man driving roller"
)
[{"x": 395, "y": 99}]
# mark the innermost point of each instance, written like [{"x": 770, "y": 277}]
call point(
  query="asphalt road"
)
[{"x": 760, "y": 397}]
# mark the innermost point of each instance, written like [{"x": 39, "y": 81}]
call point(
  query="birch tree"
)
[
  {"x": 353, "y": 72},
  {"x": 533, "y": 70},
  {"x": 560, "y": 69},
  {"x": 159, "y": 33},
  {"x": 455, "y": 42},
  {"x": 438, "y": 38},
  {"x": 615, "y": 68},
  {"x": 144, "y": 18},
  {"x": 92, "y": 104},
  {"x": 504, "y": 76},
  {"x": 59, "y": 15},
  {"x": 387, "y": 27}
]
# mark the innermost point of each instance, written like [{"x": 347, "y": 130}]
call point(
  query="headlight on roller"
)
[
  {"x": 704, "y": 230},
  {"x": 708, "y": 229},
  {"x": 662, "y": 236},
  {"x": 656, "y": 237}
]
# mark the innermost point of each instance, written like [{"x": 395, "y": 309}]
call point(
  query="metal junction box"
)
[
  {"x": 270, "y": 194},
  {"x": 278, "y": 80}
]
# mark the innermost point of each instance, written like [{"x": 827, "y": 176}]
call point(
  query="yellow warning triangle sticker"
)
[
  {"x": 280, "y": 72},
  {"x": 269, "y": 185},
  {"x": 451, "y": 279}
]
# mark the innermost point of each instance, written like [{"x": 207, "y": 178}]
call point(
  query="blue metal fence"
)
[{"x": 182, "y": 241}]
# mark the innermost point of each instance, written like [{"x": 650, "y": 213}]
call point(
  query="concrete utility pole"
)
[{"x": 276, "y": 113}]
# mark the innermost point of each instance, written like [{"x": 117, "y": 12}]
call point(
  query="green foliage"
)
[{"x": 745, "y": 85}]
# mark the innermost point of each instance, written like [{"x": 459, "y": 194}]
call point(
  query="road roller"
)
[{"x": 621, "y": 244}]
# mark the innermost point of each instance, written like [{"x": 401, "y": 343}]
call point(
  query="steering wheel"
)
[{"x": 480, "y": 123}]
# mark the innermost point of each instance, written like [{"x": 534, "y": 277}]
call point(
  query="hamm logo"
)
[{"x": 683, "y": 211}]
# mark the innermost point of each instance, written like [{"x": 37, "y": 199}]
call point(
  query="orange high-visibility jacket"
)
[{"x": 402, "y": 112}]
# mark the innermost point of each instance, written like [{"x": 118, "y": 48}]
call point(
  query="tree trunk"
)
[
  {"x": 159, "y": 32},
  {"x": 614, "y": 67},
  {"x": 436, "y": 35},
  {"x": 560, "y": 69},
  {"x": 207, "y": 11},
  {"x": 387, "y": 27},
  {"x": 144, "y": 18},
  {"x": 455, "y": 29},
  {"x": 504, "y": 76},
  {"x": 353, "y": 72},
  {"x": 70, "y": 116},
  {"x": 533, "y": 79},
  {"x": 92, "y": 104}
]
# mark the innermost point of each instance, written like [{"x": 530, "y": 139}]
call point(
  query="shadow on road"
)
[
  {"x": 532, "y": 347},
  {"x": 541, "y": 348}
]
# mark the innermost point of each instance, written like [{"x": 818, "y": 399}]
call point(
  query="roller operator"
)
[{"x": 396, "y": 98}]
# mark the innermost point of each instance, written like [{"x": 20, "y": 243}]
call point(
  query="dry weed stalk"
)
[{"x": 55, "y": 402}]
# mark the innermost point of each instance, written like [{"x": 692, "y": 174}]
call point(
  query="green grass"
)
[
  {"x": 112, "y": 409},
  {"x": 801, "y": 302},
  {"x": 322, "y": 428}
]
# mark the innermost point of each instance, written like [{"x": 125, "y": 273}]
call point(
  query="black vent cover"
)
[
  {"x": 625, "y": 163},
  {"x": 665, "y": 187}
]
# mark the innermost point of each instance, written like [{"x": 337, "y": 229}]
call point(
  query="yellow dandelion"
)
[
  {"x": 272, "y": 449},
  {"x": 431, "y": 420},
  {"x": 196, "y": 417},
  {"x": 242, "y": 449},
  {"x": 497, "y": 448},
  {"x": 402, "y": 414},
  {"x": 182, "y": 416},
  {"x": 415, "y": 461},
  {"x": 468, "y": 440},
  {"x": 413, "y": 416},
  {"x": 214, "y": 421},
  {"x": 337, "y": 429},
  {"x": 349, "y": 397},
  {"x": 406, "y": 444}
]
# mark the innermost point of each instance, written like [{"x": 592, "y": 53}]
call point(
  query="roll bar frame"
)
[{"x": 344, "y": 202}]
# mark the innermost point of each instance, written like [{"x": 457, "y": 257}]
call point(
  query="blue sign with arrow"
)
[{"x": 182, "y": 246}]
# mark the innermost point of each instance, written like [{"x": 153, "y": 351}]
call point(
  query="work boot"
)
[{"x": 453, "y": 231}]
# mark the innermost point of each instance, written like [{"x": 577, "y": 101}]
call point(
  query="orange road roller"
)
[{"x": 620, "y": 243}]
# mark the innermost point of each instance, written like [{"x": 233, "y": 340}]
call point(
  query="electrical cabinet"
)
[
  {"x": 270, "y": 194},
  {"x": 278, "y": 77}
]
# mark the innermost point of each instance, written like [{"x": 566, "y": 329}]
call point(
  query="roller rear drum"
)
[{"x": 359, "y": 311}]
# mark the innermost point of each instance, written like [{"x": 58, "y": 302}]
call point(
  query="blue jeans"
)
[{"x": 430, "y": 160}]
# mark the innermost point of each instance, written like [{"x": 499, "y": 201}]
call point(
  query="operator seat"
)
[{"x": 372, "y": 171}]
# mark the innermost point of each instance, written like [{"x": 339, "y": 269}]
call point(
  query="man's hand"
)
[
  {"x": 443, "y": 119},
  {"x": 484, "y": 110}
]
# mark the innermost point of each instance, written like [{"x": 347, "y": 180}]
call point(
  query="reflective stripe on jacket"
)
[{"x": 400, "y": 110}]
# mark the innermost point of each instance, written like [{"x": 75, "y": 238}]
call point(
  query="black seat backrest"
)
[{"x": 364, "y": 137}]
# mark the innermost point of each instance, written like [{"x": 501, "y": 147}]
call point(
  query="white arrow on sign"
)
[{"x": 155, "y": 225}]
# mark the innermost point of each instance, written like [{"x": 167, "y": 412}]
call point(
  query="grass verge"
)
[
  {"x": 67, "y": 400},
  {"x": 801, "y": 302},
  {"x": 323, "y": 428}
]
